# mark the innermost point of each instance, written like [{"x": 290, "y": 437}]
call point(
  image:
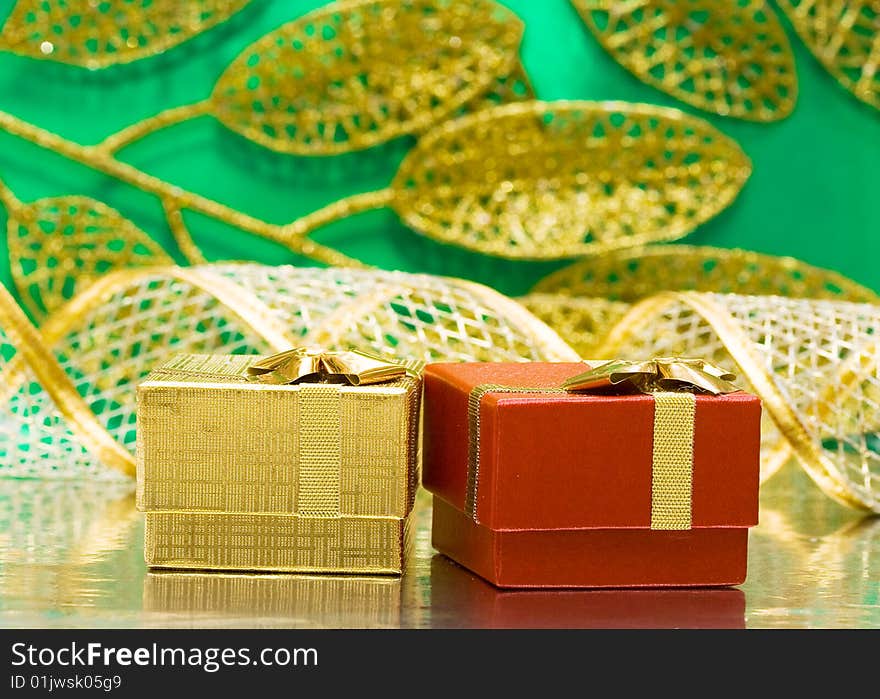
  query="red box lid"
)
[{"x": 579, "y": 461}]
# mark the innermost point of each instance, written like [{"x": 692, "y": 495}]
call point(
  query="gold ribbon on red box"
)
[{"x": 653, "y": 375}]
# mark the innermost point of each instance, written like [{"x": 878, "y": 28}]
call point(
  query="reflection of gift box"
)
[
  {"x": 264, "y": 599},
  {"x": 478, "y": 604},
  {"x": 535, "y": 486},
  {"x": 237, "y": 474}
]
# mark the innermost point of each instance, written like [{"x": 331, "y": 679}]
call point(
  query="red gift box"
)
[{"x": 557, "y": 489}]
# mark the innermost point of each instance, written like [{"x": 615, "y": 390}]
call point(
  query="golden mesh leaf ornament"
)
[
  {"x": 355, "y": 74},
  {"x": 60, "y": 245},
  {"x": 66, "y": 392},
  {"x": 96, "y": 35},
  {"x": 729, "y": 58},
  {"x": 581, "y": 321},
  {"x": 483, "y": 71},
  {"x": 514, "y": 86},
  {"x": 548, "y": 180},
  {"x": 814, "y": 363},
  {"x": 845, "y": 36},
  {"x": 630, "y": 275},
  {"x": 529, "y": 180}
]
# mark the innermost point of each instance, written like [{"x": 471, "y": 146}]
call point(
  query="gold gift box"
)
[{"x": 235, "y": 474}]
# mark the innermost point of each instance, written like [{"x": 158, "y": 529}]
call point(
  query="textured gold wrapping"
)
[
  {"x": 288, "y": 543},
  {"x": 236, "y": 474}
]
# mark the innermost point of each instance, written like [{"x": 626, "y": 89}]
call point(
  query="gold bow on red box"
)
[{"x": 653, "y": 375}]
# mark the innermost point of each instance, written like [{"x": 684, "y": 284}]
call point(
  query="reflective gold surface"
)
[{"x": 71, "y": 555}]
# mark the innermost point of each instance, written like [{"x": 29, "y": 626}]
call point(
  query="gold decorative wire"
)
[
  {"x": 175, "y": 199},
  {"x": 354, "y": 74},
  {"x": 66, "y": 392},
  {"x": 548, "y": 180},
  {"x": 814, "y": 363},
  {"x": 729, "y": 58},
  {"x": 95, "y": 34},
  {"x": 845, "y": 36}
]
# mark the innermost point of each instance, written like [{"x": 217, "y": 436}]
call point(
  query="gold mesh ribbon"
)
[
  {"x": 66, "y": 405},
  {"x": 813, "y": 363},
  {"x": 672, "y": 383}
]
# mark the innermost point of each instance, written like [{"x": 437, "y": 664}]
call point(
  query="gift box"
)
[
  {"x": 610, "y": 481},
  {"x": 305, "y": 461}
]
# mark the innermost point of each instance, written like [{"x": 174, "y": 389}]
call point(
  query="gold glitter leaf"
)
[
  {"x": 96, "y": 35},
  {"x": 845, "y": 36},
  {"x": 579, "y": 320},
  {"x": 548, "y": 180},
  {"x": 355, "y": 74},
  {"x": 60, "y": 245},
  {"x": 630, "y": 275},
  {"x": 730, "y": 58},
  {"x": 511, "y": 87}
]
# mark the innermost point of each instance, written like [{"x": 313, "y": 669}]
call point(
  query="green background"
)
[{"x": 814, "y": 192}]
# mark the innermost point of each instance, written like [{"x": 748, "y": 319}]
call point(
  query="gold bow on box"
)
[
  {"x": 653, "y": 375},
  {"x": 317, "y": 365}
]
